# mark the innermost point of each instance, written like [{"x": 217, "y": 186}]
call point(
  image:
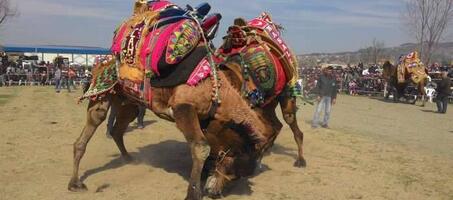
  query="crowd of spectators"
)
[
  {"x": 356, "y": 80},
  {"x": 22, "y": 72}
]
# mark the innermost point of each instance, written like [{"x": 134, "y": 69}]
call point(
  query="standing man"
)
[
  {"x": 2, "y": 69},
  {"x": 65, "y": 79},
  {"x": 71, "y": 77},
  {"x": 57, "y": 78},
  {"x": 326, "y": 88},
  {"x": 86, "y": 81},
  {"x": 443, "y": 92}
]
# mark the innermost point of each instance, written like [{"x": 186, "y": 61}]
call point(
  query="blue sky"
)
[{"x": 311, "y": 25}]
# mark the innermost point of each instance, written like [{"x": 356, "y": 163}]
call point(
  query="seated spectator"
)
[
  {"x": 352, "y": 88},
  {"x": 365, "y": 72}
]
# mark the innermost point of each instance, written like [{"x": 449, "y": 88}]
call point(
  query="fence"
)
[{"x": 35, "y": 79}]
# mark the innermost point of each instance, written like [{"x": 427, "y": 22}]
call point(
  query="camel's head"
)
[{"x": 233, "y": 155}]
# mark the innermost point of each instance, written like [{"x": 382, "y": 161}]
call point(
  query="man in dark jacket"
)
[
  {"x": 450, "y": 72},
  {"x": 443, "y": 92},
  {"x": 326, "y": 88}
]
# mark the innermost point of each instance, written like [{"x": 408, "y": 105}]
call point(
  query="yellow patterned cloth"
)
[{"x": 411, "y": 65}]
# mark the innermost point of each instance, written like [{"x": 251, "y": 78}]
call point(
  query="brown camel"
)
[
  {"x": 397, "y": 87},
  {"x": 217, "y": 181},
  {"x": 234, "y": 68},
  {"x": 186, "y": 106},
  {"x": 190, "y": 107},
  {"x": 251, "y": 61}
]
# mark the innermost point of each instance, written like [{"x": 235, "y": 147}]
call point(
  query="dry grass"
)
[{"x": 371, "y": 152}]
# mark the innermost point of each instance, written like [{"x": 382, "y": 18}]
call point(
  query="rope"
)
[
  {"x": 216, "y": 97},
  {"x": 222, "y": 155},
  {"x": 223, "y": 175}
]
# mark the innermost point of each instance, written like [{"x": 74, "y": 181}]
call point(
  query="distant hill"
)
[{"x": 443, "y": 54}]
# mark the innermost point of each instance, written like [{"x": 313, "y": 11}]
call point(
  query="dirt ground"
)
[{"x": 374, "y": 150}]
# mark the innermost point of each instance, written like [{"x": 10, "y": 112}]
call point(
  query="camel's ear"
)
[{"x": 240, "y": 22}]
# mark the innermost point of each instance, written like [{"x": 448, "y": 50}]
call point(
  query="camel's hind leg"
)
[
  {"x": 421, "y": 90},
  {"x": 289, "y": 109},
  {"x": 125, "y": 115},
  {"x": 187, "y": 121},
  {"x": 96, "y": 114},
  {"x": 268, "y": 112}
]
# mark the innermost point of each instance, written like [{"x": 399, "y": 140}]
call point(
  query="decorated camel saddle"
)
[
  {"x": 410, "y": 65},
  {"x": 266, "y": 60},
  {"x": 150, "y": 49},
  {"x": 104, "y": 77}
]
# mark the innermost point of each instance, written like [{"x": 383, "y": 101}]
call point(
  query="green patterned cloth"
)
[
  {"x": 293, "y": 91},
  {"x": 104, "y": 79}
]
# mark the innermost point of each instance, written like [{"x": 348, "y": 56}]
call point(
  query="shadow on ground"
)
[
  {"x": 173, "y": 157},
  {"x": 282, "y": 150},
  {"x": 429, "y": 111},
  {"x": 145, "y": 123}
]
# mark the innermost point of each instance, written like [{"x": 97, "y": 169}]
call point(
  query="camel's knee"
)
[
  {"x": 289, "y": 118},
  {"x": 201, "y": 150},
  {"x": 79, "y": 147},
  {"x": 97, "y": 116}
]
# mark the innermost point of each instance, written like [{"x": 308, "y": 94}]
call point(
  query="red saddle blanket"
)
[
  {"x": 152, "y": 50},
  {"x": 158, "y": 46},
  {"x": 259, "y": 44},
  {"x": 265, "y": 25}
]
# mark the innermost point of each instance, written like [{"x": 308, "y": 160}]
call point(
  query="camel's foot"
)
[
  {"x": 194, "y": 193},
  {"x": 211, "y": 190},
  {"x": 259, "y": 168},
  {"x": 300, "y": 163},
  {"x": 77, "y": 186}
]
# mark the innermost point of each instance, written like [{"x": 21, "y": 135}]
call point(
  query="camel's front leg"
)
[
  {"x": 187, "y": 121},
  {"x": 96, "y": 114},
  {"x": 289, "y": 110}
]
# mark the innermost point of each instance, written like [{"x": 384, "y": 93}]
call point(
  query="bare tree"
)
[
  {"x": 6, "y": 11},
  {"x": 373, "y": 53},
  {"x": 377, "y": 50},
  {"x": 428, "y": 20}
]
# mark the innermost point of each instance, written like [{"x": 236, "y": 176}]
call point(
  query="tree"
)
[
  {"x": 6, "y": 11},
  {"x": 377, "y": 50},
  {"x": 428, "y": 21},
  {"x": 372, "y": 54}
]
